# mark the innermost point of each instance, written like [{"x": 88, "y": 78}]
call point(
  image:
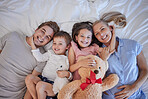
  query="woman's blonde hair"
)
[{"x": 117, "y": 18}]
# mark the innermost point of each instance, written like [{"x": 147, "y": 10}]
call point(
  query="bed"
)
[{"x": 23, "y": 16}]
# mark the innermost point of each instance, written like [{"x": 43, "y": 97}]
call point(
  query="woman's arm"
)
[
  {"x": 113, "y": 40},
  {"x": 143, "y": 75},
  {"x": 143, "y": 71}
]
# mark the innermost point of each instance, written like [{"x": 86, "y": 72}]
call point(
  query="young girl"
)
[
  {"x": 42, "y": 85},
  {"x": 82, "y": 45},
  {"x": 127, "y": 62}
]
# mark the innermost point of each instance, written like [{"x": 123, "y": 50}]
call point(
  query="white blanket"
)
[{"x": 24, "y": 16}]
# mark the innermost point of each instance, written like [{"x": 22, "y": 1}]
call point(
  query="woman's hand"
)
[
  {"x": 63, "y": 73},
  {"x": 105, "y": 53},
  {"x": 127, "y": 91}
]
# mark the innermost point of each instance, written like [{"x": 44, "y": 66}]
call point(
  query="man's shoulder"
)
[
  {"x": 12, "y": 34},
  {"x": 15, "y": 35}
]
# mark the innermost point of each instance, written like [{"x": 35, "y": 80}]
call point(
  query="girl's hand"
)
[
  {"x": 63, "y": 73},
  {"x": 87, "y": 62},
  {"x": 127, "y": 91}
]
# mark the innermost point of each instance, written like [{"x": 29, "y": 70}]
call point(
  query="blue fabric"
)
[
  {"x": 124, "y": 64},
  {"x": 48, "y": 81},
  {"x": 45, "y": 79},
  {"x": 52, "y": 97}
]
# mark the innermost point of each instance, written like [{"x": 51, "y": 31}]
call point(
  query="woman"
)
[{"x": 127, "y": 61}]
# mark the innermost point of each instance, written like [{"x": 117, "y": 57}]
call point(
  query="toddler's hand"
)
[{"x": 63, "y": 73}]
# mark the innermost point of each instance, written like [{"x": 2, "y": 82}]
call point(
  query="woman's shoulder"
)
[{"x": 130, "y": 44}]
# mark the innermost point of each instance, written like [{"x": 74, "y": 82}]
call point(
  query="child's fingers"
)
[
  {"x": 93, "y": 63},
  {"x": 89, "y": 62}
]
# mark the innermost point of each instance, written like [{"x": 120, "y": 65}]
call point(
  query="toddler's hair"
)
[
  {"x": 113, "y": 18},
  {"x": 65, "y": 35}
]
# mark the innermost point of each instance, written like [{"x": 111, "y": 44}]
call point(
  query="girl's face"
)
[
  {"x": 102, "y": 32},
  {"x": 42, "y": 36},
  {"x": 59, "y": 45},
  {"x": 84, "y": 38}
]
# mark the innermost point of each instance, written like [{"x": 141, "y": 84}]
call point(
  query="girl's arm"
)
[
  {"x": 82, "y": 63},
  {"x": 143, "y": 75},
  {"x": 71, "y": 57}
]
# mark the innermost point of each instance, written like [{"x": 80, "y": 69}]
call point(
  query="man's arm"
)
[{"x": 0, "y": 51}]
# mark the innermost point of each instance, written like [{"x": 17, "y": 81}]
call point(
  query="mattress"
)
[{"x": 24, "y": 16}]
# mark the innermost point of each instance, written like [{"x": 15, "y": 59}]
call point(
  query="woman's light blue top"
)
[{"x": 124, "y": 64}]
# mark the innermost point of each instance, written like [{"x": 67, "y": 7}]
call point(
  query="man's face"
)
[{"x": 42, "y": 36}]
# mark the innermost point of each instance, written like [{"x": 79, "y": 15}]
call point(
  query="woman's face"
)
[{"x": 102, "y": 32}]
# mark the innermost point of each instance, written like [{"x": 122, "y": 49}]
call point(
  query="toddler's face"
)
[
  {"x": 84, "y": 38},
  {"x": 59, "y": 45}
]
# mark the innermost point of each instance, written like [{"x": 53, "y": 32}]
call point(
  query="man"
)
[{"x": 17, "y": 61}]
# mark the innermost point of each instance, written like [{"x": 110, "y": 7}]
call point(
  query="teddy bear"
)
[
  {"x": 60, "y": 82},
  {"x": 91, "y": 85}
]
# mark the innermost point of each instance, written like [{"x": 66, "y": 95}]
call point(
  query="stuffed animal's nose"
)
[{"x": 96, "y": 71}]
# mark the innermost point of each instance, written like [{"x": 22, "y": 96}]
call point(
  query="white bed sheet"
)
[{"x": 24, "y": 16}]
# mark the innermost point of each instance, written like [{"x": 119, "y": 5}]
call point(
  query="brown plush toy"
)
[{"x": 91, "y": 85}]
